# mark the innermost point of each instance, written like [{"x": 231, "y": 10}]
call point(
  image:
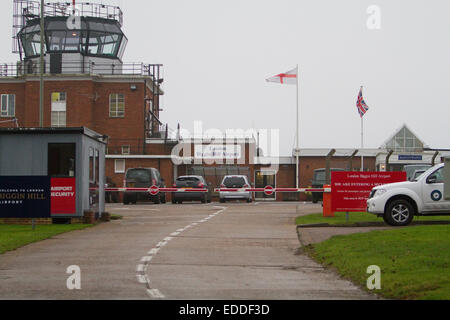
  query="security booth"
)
[{"x": 60, "y": 168}]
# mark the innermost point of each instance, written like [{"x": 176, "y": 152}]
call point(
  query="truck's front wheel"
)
[{"x": 399, "y": 213}]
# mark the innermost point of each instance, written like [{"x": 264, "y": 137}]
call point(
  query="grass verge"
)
[
  {"x": 414, "y": 261},
  {"x": 339, "y": 218},
  {"x": 16, "y": 236}
]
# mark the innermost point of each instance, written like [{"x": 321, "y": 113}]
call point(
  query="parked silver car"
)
[{"x": 235, "y": 182}]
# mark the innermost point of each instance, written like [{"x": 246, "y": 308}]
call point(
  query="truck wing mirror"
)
[{"x": 432, "y": 179}]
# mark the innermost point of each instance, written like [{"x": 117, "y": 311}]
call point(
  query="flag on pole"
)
[
  {"x": 289, "y": 77},
  {"x": 361, "y": 104}
]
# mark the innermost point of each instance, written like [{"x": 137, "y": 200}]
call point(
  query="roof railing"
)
[{"x": 31, "y": 67}]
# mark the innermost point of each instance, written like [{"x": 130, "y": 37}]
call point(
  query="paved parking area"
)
[{"x": 188, "y": 251}]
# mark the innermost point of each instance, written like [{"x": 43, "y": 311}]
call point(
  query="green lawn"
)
[
  {"x": 339, "y": 218},
  {"x": 16, "y": 236},
  {"x": 414, "y": 261}
]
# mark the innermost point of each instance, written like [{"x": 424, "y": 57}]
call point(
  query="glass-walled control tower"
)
[{"x": 84, "y": 39}]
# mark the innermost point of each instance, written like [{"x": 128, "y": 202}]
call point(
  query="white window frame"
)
[
  {"x": 116, "y": 166},
  {"x": 5, "y": 109},
  {"x": 126, "y": 150},
  {"x": 59, "y": 110},
  {"x": 114, "y": 105}
]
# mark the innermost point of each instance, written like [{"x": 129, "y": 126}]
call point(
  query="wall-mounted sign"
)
[
  {"x": 350, "y": 190},
  {"x": 63, "y": 196},
  {"x": 409, "y": 157},
  {"x": 217, "y": 151},
  {"x": 25, "y": 197}
]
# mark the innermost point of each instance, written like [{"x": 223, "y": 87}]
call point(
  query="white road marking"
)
[
  {"x": 146, "y": 259},
  {"x": 141, "y": 278},
  {"x": 142, "y": 268},
  {"x": 153, "y": 251},
  {"x": 154, "y": 293},
  {"x": 161, "y": 244}
]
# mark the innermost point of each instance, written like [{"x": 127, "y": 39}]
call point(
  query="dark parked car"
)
[
  {"x": 191, "y": 182},
  {"x": 143, "y": 178},
  {"x": 111, "y": 196},
  {"x": 319, "y": 179}
]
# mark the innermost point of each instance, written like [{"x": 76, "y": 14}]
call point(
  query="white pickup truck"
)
[{"x": 399, "y": 202}]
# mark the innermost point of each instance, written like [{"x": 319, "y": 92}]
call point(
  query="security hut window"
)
[
  {"x": 59, "y": 100},
  {"x": 91, "y": 165},
  {"x": 97, "y": 166},
  {"x": 61, "y": 160},
  {"x": 8, "y": 105},
  {"x": 119, "y": 166},
  {"x": 116, "y": 105}
]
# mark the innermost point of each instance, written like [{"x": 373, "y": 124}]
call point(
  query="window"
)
[
  {"x": 61, "y": 160},
  {"x": 119, "y": 166},
  {"x": 97, "y": 166},
  {"x": 8, "y": 105},
  {"x": 91, "y": 165},
  {"x": 437, "y": 175},
  {"x": 59, "y": 118},
  {"x": 125, "y": 149},
  {"x": 116, "y": 105}
]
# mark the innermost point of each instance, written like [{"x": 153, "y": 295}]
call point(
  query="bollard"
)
[{"x": 327, "y": 212}]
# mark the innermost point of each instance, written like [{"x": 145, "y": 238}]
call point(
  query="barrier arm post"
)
[{"x": 327, "y": 209}]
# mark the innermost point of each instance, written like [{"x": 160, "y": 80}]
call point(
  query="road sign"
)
[
  {"x": 269, "y": 190},
  {"x": 154, "y": 190}
]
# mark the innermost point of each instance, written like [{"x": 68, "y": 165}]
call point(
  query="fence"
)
[{"x": 76, "y": 67}]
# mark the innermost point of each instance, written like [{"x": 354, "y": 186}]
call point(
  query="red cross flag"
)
[{"x": 289, "y": 77}]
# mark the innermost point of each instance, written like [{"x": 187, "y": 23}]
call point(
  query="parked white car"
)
[
  {"x": 235, "y": 182},
  {"x": 399, "y": 202}
]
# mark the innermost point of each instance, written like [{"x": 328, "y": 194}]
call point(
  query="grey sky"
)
[{"x": 217, "y": 55}]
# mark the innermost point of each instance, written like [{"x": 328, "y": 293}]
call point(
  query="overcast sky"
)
[{"x": 218, "y": 53}]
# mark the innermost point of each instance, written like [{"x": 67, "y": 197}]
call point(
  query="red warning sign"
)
[{"x": 350, "y": 190}]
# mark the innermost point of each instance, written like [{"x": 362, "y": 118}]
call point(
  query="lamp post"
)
[{"x": 41, "y": 72}]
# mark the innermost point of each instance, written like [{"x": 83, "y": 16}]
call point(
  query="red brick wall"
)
[
  {"x": 19, "y": 90},
  {"x": 87, "y": 105}
]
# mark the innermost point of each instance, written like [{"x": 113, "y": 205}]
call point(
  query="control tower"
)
[{"x": 79, "y": 38}]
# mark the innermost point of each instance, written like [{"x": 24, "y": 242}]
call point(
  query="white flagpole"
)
[
  {"x": 297, "y": 150},
  {"x": 362, "y": 140},
  {"x": 362, "y": 145}
]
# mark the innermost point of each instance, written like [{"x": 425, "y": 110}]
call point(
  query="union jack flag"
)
[{"x": 361, "y": 104}]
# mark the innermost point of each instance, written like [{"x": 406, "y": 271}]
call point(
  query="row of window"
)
[{"x": 59, "y": 107}]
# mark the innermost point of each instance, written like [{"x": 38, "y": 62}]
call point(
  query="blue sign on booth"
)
[
  {"x": 25, "y": 197},
  {"x": 410, "y": 157}
]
